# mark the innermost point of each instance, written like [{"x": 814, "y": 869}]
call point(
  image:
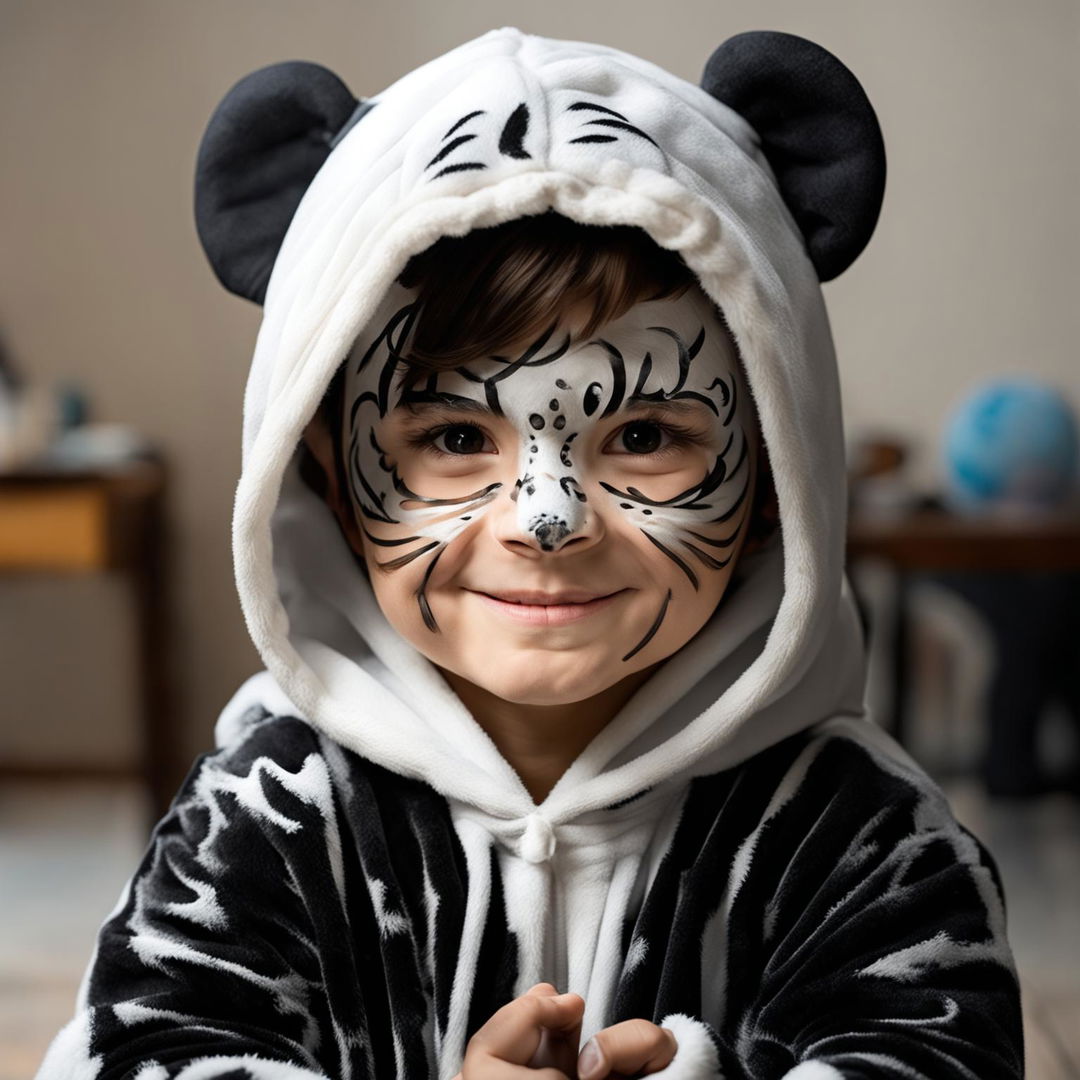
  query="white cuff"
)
[
  {"x": 813, "y": 1070},
  {"x": 696, "y": 1057}
]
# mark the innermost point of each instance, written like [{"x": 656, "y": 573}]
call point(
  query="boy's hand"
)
[
  {"x": 533, "y": 1037},
  {"x": 626, "y": 1049}
]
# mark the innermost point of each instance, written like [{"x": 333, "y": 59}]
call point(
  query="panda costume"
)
[{"x": 354, "y": 880}]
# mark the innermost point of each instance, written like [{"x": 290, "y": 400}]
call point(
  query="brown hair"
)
[
  {"x": 496, "y": 286},
  {"x": 481, "y": 292}
]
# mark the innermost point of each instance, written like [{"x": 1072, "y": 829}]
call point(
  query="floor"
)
[{"x": 65, "y": 852}]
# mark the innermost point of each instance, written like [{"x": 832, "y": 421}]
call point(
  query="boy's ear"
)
[{"x": 319, "y": 441}]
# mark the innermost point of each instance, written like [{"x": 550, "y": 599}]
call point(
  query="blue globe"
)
[{"x": 1013, "y": 440}]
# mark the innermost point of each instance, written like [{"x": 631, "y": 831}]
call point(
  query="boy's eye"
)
[
  {"x": 641, "y": 437},
  {"x": 461, "y": 439},
  {"x": 450, "y": 440},
  {"x": 654, "y": 438}
]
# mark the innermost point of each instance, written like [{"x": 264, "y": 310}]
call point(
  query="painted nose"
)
[{"x": 551, "y": 509}]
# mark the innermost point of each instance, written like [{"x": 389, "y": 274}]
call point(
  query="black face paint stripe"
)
[
  {"x": 686, "y": 355},
  {"x": 404, "y": 560},
  {"x": 704, "y": 557},
  {"x": 421, "y": 596},
  {"x": 570, "y": 486},
  {"x": 638, "y": 393},
  {"x": 618, "y": 377},
  {"x": 652, "y": 629},
  {"x": 356, "y": 475},
  {"x": 718, "y": 381},
  {"x": 674, "y": 558},
  {"x": 731, "y": 410},
  {"x": 685, "y": 499},
  {"x": 727, "y": 541},
  {"x": 729, "y": 513},
  {"x": 527, "y": 359},
  {"x": 403, "y": 489},
  {"x": 387, "y": 543}
]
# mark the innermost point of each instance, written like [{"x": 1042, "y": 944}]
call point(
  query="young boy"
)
[{"x": 559, "y": 765}]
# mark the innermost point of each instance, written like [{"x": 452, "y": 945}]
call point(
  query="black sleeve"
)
[
  {"x": 212, "y": 951},
  {"x": 863, "y": 936}
]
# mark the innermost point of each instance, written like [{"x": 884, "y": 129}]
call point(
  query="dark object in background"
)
[{"x": 1034, "y": 618}]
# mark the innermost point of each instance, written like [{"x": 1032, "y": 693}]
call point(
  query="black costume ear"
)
[
  {"x": 264, "y": 144},
  {"x": 818, "y": 131}
]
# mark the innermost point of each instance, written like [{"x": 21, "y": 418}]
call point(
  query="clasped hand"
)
[{"x": 535, "y": 1037}]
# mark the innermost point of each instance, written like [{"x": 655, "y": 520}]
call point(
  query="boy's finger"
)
[
  {"x": 634, "y": 1046},
  {"x": 513, "y": 1033}
]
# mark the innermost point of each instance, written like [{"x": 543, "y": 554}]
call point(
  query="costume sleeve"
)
[
  {"x": 864, "y": 937},
  {"x": 209, "y": 965}
]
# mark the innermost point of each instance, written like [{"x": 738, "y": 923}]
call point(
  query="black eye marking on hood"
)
[
  {"x": 513, "y": 132},
  {"x": 464, "y": 120},
  {"x": 449, "y": 148},
  {"x": 652, "y": 629},
  {"x": 620, "y": 122},
  {"x": 511, "y": 142}
]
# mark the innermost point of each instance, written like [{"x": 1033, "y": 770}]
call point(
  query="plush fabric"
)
[
  {"x": 815, "y": 912},
  {"x": 355, "y": 879}
]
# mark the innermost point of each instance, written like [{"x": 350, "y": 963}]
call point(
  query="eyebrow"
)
[
  {"x": 684, "y": 407},
  {"x": 418, "y": 406},
  {"x": 453, "y": 403}
]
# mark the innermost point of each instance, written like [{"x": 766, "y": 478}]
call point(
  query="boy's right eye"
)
[{"x": 450, "y": 440}]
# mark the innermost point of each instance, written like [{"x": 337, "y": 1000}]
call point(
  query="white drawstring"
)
[{"x": 537, "y": 843}]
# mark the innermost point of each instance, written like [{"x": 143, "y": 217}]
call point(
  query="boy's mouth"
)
[
  {"x": 546, "y": 611},
  {"x": 539, "y": 598}
]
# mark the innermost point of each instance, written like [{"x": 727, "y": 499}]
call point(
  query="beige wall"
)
[{"x": 973, "y": 269}]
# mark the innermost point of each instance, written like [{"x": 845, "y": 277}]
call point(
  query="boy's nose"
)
[{"x": 550, "y": 513}]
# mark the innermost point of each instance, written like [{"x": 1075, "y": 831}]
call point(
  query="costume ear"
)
[
  {"x": 818, "y": 131},
  {"x": 263, "y": 146}
]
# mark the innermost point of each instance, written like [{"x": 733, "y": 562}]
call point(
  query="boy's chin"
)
[{"x": 544, "y": 685}]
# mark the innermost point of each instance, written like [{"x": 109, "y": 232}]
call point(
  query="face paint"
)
[{"x": 646, "y": 425}]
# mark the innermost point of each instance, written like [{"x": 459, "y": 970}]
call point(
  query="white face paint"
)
[{"x": 641, "y": 433}]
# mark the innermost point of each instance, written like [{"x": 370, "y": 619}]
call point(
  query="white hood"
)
[{"x": 783, "y": 650}]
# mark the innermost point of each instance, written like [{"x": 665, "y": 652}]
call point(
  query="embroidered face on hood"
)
[{"x": 766, "y": 179}]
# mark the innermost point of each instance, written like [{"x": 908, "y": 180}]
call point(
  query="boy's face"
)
[{"x": 614, "y": 474}]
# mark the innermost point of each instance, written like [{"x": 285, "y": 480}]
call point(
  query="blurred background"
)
[{"x": 122, "y": 366}]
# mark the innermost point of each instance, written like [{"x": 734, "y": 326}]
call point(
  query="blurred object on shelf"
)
[
  {"x": 45, "y": 430},
  {"x": 1010, "y": 448},
  {"x": 28, "y": 424},
  {"x": 92, "y": 446},
  {"x": 878, "y": 484},
  {"x": 73, "y": 406}
]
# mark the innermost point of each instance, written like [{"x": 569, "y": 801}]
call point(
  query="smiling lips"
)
[{"x": 548, "y": 609}]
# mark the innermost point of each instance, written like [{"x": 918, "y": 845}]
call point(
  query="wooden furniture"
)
[
  {"x": 103, "y": 520},
  {"x": 933, "y": 539}
]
